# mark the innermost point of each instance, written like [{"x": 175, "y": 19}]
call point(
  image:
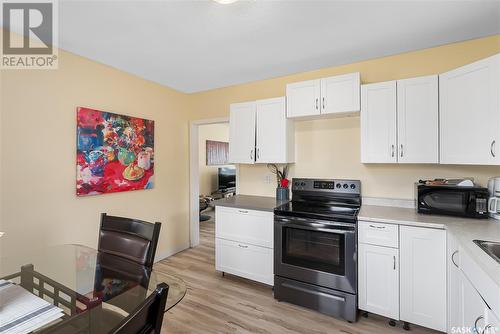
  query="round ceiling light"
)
[{"x": 225, "y": 2}]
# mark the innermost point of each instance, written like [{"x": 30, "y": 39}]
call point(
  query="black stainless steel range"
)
[{"x": 315, "y": 252}]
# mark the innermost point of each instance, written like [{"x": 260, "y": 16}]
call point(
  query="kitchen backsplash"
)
[{"x": 330, "y": 148}]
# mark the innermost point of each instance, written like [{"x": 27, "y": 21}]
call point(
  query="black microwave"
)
[{"x": 452, "y": 200}]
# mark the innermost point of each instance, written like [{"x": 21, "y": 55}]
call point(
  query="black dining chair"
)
[
  {"x": 132, "y": 239},
  {"x": 148, "y": 317}
]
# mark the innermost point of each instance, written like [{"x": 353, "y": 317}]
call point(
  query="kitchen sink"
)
[{"x": 490, "y": 247}]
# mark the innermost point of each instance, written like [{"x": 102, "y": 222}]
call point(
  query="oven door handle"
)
[{"x": 317, "y": 227}]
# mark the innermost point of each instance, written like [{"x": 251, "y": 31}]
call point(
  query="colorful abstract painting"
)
[{"x": 114, "y": 152}]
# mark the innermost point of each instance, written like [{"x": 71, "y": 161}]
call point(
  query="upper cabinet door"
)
[
  {"x": 378, "y": 123},
  {"x": 303, "y": 98},
  {"x": 242, "y": 133},
  {"x": 418, "y": 132},
  {"x": 470, "y": 113},
  {"x": 274, "y": 140},
  {"x": 340, "y": 94}
]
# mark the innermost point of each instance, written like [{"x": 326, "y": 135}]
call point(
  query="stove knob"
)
[
  {"x": 353, "y": 186},
  {"x": 296, "y": 184},
  {"x": 303, "y": 184},
  {"x": 346, "y": 186},
  {"x": 338, "y": 185}
]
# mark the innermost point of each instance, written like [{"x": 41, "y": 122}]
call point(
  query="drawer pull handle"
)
[
  {"x": 242, "y": 211},
  {"x": 453, "y": 258},
  {"x": 377, "y": 227},
  {"x": 242, "y": 246},
  {"x": 394, "y": 262}
]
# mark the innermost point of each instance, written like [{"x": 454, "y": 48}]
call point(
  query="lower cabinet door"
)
[
  {"x": 422, "y": 254},
  {"x": 378, "y": 282},
  {"x": 473, "y": 308},
  {"x": 248, "y": 261}
]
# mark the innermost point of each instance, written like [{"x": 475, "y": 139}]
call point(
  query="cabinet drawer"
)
[
  {"x": 379, "y": 234},
  {"x": 248, "y": 261},
  {"x": 248, "y": 226}
]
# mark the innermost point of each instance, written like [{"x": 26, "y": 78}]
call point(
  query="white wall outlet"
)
[{"x": 268, "y": 179}]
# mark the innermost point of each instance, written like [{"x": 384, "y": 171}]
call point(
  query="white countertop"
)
[{"x": 464, "y": 230}]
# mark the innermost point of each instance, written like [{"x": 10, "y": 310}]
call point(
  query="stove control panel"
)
[{"x": 337, "y": 186}]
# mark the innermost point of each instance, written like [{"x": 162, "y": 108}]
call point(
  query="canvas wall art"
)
[{"x": 114, "y": 152}]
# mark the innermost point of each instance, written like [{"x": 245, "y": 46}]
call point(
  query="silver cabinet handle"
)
[
  {"x": 316, "y": 104},
  {"x": 258, "y": 153},
  {"x": 323, "y": 99},
  {"x": 242, "y": 246},
  {"x": 453, "y": 258},
  {"x": 491, "y": 148},
  {"x": 378, "y": 227},
  {"x": 242, "y": 211},
  {"x": 401, "y": 150},
  {"x": 394, "y": 262},
  {"x": 475, "y": 323},
  {"x": 251, "y": 154},
  {"x": 392, "y": 148}
]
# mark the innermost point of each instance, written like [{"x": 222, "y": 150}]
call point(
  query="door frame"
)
[{"x": 194, "y": 177}]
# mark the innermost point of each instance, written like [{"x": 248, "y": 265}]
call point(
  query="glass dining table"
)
[{"x": 96, "y": 291}]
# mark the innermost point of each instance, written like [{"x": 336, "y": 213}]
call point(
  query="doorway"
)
[{"x": 211, "y": 177}]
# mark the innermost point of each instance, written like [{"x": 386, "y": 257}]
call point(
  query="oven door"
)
[{"x": 316, "y": 252}]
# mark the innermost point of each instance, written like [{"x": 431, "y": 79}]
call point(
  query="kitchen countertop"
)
[
  {"x": 464, "y": 230},
  {"x": 259, "y": 203}
]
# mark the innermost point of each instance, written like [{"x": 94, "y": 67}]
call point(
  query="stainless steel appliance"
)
[
  {"x": 494, "y": 200},
  {"x": 315, "y": 252},
  {"x": 452, "y": 200}
]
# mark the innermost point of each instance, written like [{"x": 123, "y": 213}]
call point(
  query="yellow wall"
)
[
  {"x": 38, "y": 143},
  {"x": 38, "y": 205},
  {"x": 331, "y": 148},
  {"x": 208, "y": 174}
]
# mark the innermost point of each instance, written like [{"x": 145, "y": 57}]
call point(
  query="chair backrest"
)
[
  {"x": 148, "y": 317},
  {"x": 132, "y": 239}
]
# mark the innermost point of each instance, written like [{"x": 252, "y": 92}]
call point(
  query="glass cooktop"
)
[{"x": 315, "y": 210}]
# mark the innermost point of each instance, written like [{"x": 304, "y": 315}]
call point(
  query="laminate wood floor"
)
[{"x": 216, "y": 304}]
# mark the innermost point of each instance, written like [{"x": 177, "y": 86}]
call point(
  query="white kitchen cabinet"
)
[
  {"x": 423, "y": 276},
  {"x": 378, "y": 234},
  {"x": 248, "y": 226},
  {"x": 244, "y": 243},
  {"x": 378, "y": 286},
  {"x": 275, "y": 133},
  {"x": 378, "y": 123},
  {"x": 245, "y": 260},
  {"x": 417, "y": 117},
  {"x": 455, "y": 307},
  {"x": 259, "y": 132},
  {"x": 242, "y": 133},
  {"x": 399, "y": 121},
  {"x": 473, "y": 313},
  {"x": 340, "y": 94},
  {"x": 469, "y": 117},
  {"x": 303, "y": 98},
  {"x": 336, "y": 95}
]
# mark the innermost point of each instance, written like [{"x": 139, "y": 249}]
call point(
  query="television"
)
[{"x": 227, "y": 178}]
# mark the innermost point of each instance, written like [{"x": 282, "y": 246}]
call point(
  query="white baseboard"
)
[
  {"x": 164, "y": 255},
  {"x": 397, "y": 202}
]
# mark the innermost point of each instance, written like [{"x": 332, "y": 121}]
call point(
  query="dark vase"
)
[{"x": 282, "y": 194}]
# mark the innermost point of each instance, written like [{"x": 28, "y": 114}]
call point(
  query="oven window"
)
[{"x": 314, "y": 250}]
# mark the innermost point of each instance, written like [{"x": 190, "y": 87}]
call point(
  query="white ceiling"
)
[{"x": 199, "y": 45}]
